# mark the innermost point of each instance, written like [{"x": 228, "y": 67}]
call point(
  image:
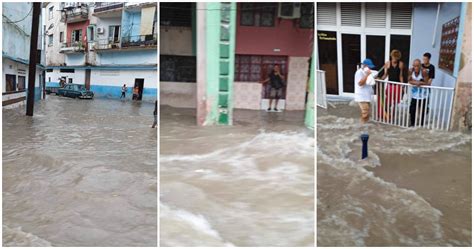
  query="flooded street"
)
[
  {"x": 414, "y": 190},
  {"x": 80, "y": 173},
  {"x": 250, "y": 184}
]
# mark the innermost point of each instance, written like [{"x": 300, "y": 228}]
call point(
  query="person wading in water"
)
[{"x": 277, "y": 82}]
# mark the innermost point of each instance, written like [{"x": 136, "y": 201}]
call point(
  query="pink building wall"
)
[
  {"x": 77, "y": 25},
  {"x": 286, "y": 35}
]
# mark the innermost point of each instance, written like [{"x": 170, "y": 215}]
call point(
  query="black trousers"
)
[
  {"x": 123, "y": 95},
  {"x": 422, "y": 107}
]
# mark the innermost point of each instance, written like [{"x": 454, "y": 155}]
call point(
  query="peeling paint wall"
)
[{"x": 462, "y": 110}]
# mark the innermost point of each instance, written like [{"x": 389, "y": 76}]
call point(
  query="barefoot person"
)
[
  {"x": 277, "y": 82},
  {"x": 363, "y": 90}
]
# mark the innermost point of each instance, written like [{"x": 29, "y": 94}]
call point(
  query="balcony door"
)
[{"x": 114, "y": 33}]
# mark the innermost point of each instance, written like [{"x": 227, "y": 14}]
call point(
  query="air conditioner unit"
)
[
  {"x": 100, "y": 30},
  {"x": 289, "y": 10}
]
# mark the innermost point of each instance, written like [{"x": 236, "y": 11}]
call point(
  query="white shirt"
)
[
  {"x": 362, "y": 93},
  {"x": 419, "y": 92}
]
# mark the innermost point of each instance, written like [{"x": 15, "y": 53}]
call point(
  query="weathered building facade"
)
[
  {"x": 104, "y": 46},
  {"x": 16, "y": 28}
]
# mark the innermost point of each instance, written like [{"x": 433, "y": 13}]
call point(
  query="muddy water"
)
[
  {"x": 251, "y": 184},
  {"x": 80, "y": 173},
  {"x": 414, "y": 190}
]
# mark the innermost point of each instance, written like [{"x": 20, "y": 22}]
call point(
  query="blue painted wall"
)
[
  {"x": 424, "y": 21},
  {"x": 77, "y": 59},
  {"x": 114, "y": 92}
]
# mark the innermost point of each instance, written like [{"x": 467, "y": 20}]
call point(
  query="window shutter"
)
[
  {"x": 401, "y": 15},
  {"x": 375, "y": 14},
  {"x": 326, "y": 14},
  {"x": 350, "y": 14}
]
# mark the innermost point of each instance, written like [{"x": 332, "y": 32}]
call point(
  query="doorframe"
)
[
  {"x": 140, "y": 88},
  {"x": 363, "y": 32}
]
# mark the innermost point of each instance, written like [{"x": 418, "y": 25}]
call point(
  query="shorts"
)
[
  {"x": 364, "y": 111},
  {"x": 276, "y": 93}
]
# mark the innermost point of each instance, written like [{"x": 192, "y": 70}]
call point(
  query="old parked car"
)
[
  {"x": 52, "y": 87},
  {"x": 75, "y": 91}
]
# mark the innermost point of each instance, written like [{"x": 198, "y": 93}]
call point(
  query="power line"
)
[{"x": 13, "y": 22}]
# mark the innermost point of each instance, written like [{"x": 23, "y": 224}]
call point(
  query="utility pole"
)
[{"x": 30, "y": 101}]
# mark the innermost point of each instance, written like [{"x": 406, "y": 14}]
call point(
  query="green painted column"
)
[
  {"x": 309, "y": 115},
  {"x": 219, "y": 57}
]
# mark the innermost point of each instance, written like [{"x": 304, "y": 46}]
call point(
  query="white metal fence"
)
[
  {"x": 321, "y": 88},
  {"x": 405, "y": 105}
]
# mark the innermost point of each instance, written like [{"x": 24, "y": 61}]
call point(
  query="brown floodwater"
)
[
  {"x": 250, "y": 184},
  {"x": 80, "y": 173},
  {"x": 413, "y": 190}
]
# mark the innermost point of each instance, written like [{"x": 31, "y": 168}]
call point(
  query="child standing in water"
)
[{"x": 362, "y": 90}]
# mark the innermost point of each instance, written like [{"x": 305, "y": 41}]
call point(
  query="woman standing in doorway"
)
[{"x": 393, "y": 93}]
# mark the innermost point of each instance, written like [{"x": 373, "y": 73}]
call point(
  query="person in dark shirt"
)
[
  {"x": 277, "y": 82},
  {"x": 428, "y": 68}
]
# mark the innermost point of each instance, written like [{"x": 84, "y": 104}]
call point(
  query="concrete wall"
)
[
  {"x": 19, "y": 69},
  {"x": 14, "y": 68},
  {"x": 297, "y": 81},
  {"x": 178, "y": 94},
  {"x": 462, "y": 110},
  {"x": 176, "y": 41},
  {"x": 75, "y": 59},
  {"x": 105, "y": 22},
  {"x": 108, "y": 83},
  {"x": 16, "y": 32},
  {"x": 53, "y": 57},
  {"x": 424, "y": 21},
  {"x": 128, "y": 57},
  {"x": 285, "y": 35},
  {"x": 75, "y": 26},
  {"x": 78, "y": 77}
]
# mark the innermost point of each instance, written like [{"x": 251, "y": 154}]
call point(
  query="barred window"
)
[
  {"x": 254, "y": 68},
  {"x": 258, "y": 14},
  {"x": 176, "y": 14},
  {"x": 307, "y": 16}
]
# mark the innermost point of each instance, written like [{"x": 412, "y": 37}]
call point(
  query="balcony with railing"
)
[
  {"x": 107, "y": 7},
  {"x": 139, "y": 41},
  {"x": 73, "y": 47},
  {"x": 77, "y": 14},
  {"x": 106, "y": 44}
]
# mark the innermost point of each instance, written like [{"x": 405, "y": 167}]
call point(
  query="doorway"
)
[
  {"x": 88, "y": 79},
  {"x": 139, "y": 83},
  {"x": 10, "y": 80},
  {"x": 402, "y": 43},
  {"x": 375, "y": 50},
  {"x": 114, "y": 34},
  {"x": 327, "y": 51},
  {"x": 21, "y": 83},
  {"x": 350, "y": 60}
]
